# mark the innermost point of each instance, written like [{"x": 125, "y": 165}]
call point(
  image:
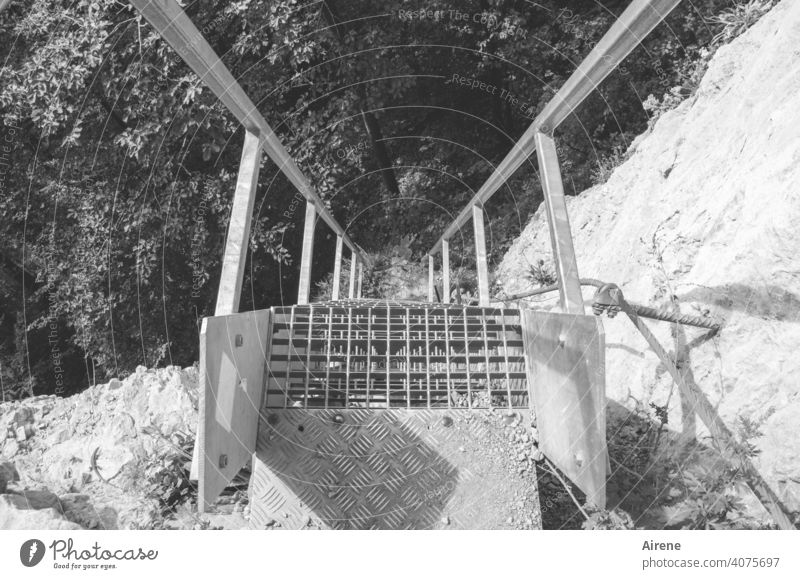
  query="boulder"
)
[
  {"x": 79, "y": 509},
  {"x": 35, "y": 500},
  {"x": 8, "y": 474},
  {"x": 14, "y": 518}
]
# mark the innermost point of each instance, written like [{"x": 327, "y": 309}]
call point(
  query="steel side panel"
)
[
  {"x": 384, "y": 469},
  {"x": 566, "y": 375},
  {"x": 232, "y": 385}
]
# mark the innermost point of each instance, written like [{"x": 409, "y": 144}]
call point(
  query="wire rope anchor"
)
[{"x": 608, "y": 300}]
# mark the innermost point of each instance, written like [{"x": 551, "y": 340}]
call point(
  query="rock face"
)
[
  {"x": 18, "y": 512},
  {"x": 81, "y": 461},
  {"x": 704, "y": 216}
]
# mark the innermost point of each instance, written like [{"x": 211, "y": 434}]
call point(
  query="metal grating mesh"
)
[{"x": 372, "y": 354}]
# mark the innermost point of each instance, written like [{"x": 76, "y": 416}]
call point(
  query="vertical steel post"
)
[
  {"x": 230, "y": 281},
  {"x": 304, "y": 289},
  {"x": 431, "y": 265},
  {"x": 360, "y": 278},
  {"x": 569, "y": 285},
  {"x": 337, "y": 268},
  {"x": 480, "y": 255},
  {"x": 446, "y": 271},
  {"x": 351, "y": 290}
]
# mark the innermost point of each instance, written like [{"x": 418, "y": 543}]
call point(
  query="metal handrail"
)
[
  {"x": 635, "y": 23},
  {"x": 174, "y": 26}
]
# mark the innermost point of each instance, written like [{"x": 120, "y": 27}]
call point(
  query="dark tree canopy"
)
[{"x": 118, "y": 182}]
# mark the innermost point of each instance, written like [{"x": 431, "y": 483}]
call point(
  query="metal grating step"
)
[{"x": 377, "y": 354}]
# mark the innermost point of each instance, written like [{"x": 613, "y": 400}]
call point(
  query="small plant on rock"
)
[
  {"x": 656, "y": 107},
  {"x": 540, "y": 274},
  {"x": 607, "y": 163},
  {"x": 738, "y": 18}
]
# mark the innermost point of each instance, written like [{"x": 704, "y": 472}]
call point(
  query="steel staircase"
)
[{"x": 366, "y": 413}]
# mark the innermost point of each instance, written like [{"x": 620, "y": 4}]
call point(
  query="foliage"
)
[
  {"x": 710, "y": 497},
  {"x": 673, "y": 483},
  {"x": 657, "y": 107},
  {"x": 168, "y": 480},
  {"x": 541, "y": 274},
  {"x": 607, "y": 162},
  {"x": 323, "y": 289},
  {"x": 709, "y": 501},
  {"x": 601, "y": 519},
  {"x": 738, "y": 18},
  {"x": 395, "y": 274},
  {"x": 114, "y": 209}
]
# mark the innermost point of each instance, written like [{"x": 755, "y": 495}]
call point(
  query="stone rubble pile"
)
[{"x": 81, "y": 462}]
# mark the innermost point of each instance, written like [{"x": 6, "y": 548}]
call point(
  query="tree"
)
[{"x": 116, "y": 194}]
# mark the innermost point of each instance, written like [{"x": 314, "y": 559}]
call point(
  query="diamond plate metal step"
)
[{"x": 386, "y": 469}]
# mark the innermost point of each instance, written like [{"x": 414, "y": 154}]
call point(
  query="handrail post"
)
[
  {"x": 569, "y": 285},
  {"x": 233, "y": 262},
  {"x": 304, "y": 289},
  {"x": 228, "y": 296},
  {"x": 446, "y": 271},
  {"x": 360, "y": 278},
  {"x": 337, "y": 268},
  {"x": 480, "y": 255},
  {"x": 351, "y": 289},
  {"x": 431, "y": 265}
]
